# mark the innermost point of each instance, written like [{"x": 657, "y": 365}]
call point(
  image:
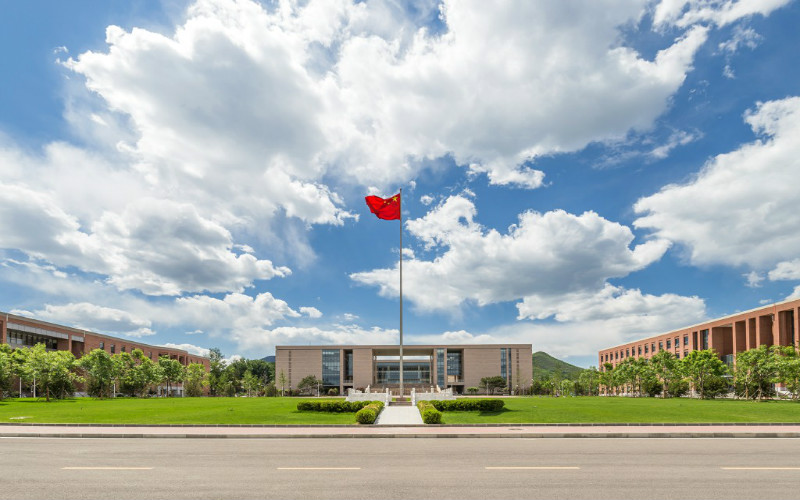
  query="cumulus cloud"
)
[
  {"x": 720, "y": 12},
  {"x": 267, "y": 339},
  {"x": 96, "y": 318},
  {"x": 741, "y": 208},
  {"x": 787, "y": 270},
  {"x": 548, "y": 254},
  {"x": 190, "y": 348},
  {"x": 311, "y": 312}
]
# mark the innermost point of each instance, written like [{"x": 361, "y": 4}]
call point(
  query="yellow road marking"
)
[
  {"x": 532, "y": 468},
  {"x": 760, "y": 468},
  {"x": 319, "y": 468},
  {"x": 106, "y": 468}
]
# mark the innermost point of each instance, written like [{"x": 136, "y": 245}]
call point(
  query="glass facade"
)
[
  {"x": 330, "y": 367},
  {"x": 440, "y": 367},
  {"x": 414, "y": 372},
  {"x": 454, "y": 367},
  {"x": 24, "y": 339},
  {"x": 704, "y": 333},
  {"x": 504, "y": 363},
  {"x": 348, "y": 366}
]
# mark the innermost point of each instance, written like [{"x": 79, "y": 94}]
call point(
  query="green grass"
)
[
  {"x": 630, "y": 410},
  {"x": 284, "y": 411},
  {"x": 167, "y": 411}
]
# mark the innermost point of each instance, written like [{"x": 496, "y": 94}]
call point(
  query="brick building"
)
[
  {"x": 378, "y": 366},
  {"x": 775, "y": 324},
  {"x": 19, "y": 331}
]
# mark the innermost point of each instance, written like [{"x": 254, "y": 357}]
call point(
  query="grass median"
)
[
  {"x": 630, "y": 410},
  {"x": 282, "y": 411},
  {"x": 154, "y": 411}
]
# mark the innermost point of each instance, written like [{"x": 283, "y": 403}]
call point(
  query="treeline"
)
[
  {"x": 242, "y": 377},
  {"x": 755, "y": 375},
  {"x": 56, "y": 374}
]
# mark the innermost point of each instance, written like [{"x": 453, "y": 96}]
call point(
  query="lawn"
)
[
  {"x": 629, "y": 410},
  {"x": 167, "y": 411}
]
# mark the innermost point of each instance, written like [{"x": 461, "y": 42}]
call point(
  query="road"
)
[{"x": 441, "y": 468}]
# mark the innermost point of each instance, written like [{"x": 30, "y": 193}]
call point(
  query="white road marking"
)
[
  {"x": 106, "y": 468},
  {"x": 533, "y": 468},
  {"x": 760, "y": 468},
  {"x": 319, "y": 468}
]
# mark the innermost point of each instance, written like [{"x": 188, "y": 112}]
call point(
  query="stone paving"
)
[
  {"x": 399, "y": 415},
  {"x": 406, "y": 431}
]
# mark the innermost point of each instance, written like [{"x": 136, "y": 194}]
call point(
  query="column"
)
[
  {"x": 3, "y": 331},
  {"x": 796, "y": 314}
]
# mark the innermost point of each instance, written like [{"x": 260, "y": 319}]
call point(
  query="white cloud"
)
[
  {"x": 742, "y": 37},
  {"x": 787, "y": 270},
  {"x": 544, "y": 254},
  {"x": 97, "y": 319},
  {"x": 754, "y": 279},
  {"x": 230, "y": 314},
  {"x": 267, "y": 339},
  {"x": 311, "y": 312},
  {"x": 720, "y": 12},
  {"x": 190, "y": 348},
  {"x": 676, "y": 139},
  {"x": 741, "y": 208},
  {"x": 426, "y": 199}
]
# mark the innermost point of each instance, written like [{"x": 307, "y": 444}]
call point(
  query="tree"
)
[
  {"x": 6, "y": 369},
  {"x": 171, "y": 370},
  {"x": 492, "y": 383},
  {"x": 668, "y": 370},
  {"x": 704, "y": 369},
  {"x": 135, "y": 372},
  {"x": 250, "y": 382},
  {"x": 216, "y": 367},
  {"x": 787, "y": 368},
  {"x": 98, "y": 368},
  {"x": 755, "y": 370},
  {"x": 52, "y": 370},
  {"x": 282, "y": 381},
  {"x": 472, "y": 390},
  {"x": 309, "y": 384},
  {"x": 196, "y": 379},
  {"x": 567, "y": 387},
  {"x": 589, "y": 382}
]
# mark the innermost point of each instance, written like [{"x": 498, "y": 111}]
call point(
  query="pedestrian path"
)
[{"x": 399, "y": 415}]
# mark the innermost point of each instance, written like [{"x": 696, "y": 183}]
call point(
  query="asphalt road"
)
[{"x": 438, "y": 468}]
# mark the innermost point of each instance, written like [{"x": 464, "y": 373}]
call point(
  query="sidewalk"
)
[
  {"x": 406, "y": 431},
  {"x": 399, "y": 415}
]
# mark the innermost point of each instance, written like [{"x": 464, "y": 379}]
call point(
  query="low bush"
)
[
  {"x": 430, "y": 415},
  {"x": 369, "y": 413},
  {"x": 336, "y": 406},
  {"x": 469, "y": 405}
]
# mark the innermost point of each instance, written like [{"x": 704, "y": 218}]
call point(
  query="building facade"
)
[
  {"x": 19, "y": 331},
  {"x": 424, "y": 366},
  {"x": 775, "y": 324}
]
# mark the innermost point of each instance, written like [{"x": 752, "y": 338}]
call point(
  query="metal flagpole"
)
[{"x": 402, "y": 393}]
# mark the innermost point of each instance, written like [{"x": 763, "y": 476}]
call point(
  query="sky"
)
[{"x": 574, "y": 174}]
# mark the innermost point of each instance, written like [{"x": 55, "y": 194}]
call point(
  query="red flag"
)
[{"x": 386, "y": 209}]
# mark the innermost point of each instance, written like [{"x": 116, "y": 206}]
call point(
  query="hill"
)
[
  {"x": 268, "y": 359},
  {"x": 545, "y": 365}
]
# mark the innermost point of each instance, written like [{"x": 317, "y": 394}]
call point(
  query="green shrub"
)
[
  {"x": 430, "y": 415},
  {"x": 469, "y": 405},
  {"x": 369, "y": 413},
  {"x": 366, "y": 416},
  {"x": 336, "y": 406}
]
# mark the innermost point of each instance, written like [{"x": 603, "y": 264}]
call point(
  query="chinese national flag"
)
[{"x": 386, "y": 209}]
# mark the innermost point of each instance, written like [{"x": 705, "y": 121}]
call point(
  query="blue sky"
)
[{"x": 575, "y": 174}]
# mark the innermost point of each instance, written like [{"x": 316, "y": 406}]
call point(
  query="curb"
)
[{"x": 99, "y": 435}]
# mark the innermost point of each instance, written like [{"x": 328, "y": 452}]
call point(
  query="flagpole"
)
[{"x": 402, "y": 393}]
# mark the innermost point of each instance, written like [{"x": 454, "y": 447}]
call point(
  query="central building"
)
[{"x": 378, "y": 366}]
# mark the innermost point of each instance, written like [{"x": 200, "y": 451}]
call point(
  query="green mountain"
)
[{"x": 545, "y": 365}]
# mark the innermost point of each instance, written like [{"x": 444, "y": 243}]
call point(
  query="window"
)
[
  {"x": 677, "y": 342},
  {"x": 685, "y": 353},
  {"x": 686, "y": 340},
  {"x": 645, "y": 348},
  {"x": 669, "y": 344},
  {"x": 330, "y": 367},
  {"x": 439, "y": 368},
  {"x": 503, "y": 363},
  {"x": 653, "y": 347},
  {"x": 704, "y": 333},
  {"x": 150, "y": 354},
  {"x": 627, "y": 352},
  {"x": 102, "y": 345},
  {"x": 122, "y": 349},
  {"x": 639, "y": 351},
  {"x": 454, "y": 366},
  {"x": 660, "y": 345},
  {"x": 113, "y": 349}
]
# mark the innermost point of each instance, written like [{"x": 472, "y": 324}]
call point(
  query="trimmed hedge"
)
[
  {"x": 334, "y": 406},
  {"x": 369, "y": 413},
  {"x": 430, "y": 415},
  {"x": 469, "y": 405}
]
